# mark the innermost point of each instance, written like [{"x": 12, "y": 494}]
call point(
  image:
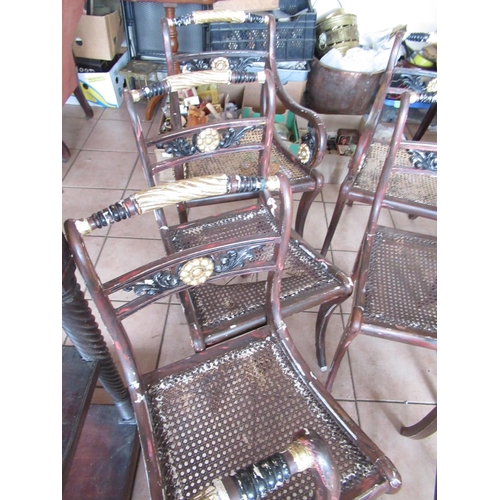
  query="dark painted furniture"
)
[
  {"x": 299, "y": 168},
  {"x": 217, "y": 313},
  {"x": 208, "y": 421},
  {"x": 395, "y": 273}
]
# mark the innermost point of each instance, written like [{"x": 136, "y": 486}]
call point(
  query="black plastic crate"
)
[
  {"x": 293, "y": 6},
  {"x": 295, "y": 39}
]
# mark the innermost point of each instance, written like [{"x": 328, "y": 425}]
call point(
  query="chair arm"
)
[
  {"x": 307, "y": 451},
  {"x": 314, "y": 141},
  {"x": 172, "y": 193},
  {"x": 183, "y": 81}
]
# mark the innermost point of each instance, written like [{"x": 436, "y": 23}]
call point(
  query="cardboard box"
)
[
  {"x": 103, "y": 89},
  {"x": 251, "y": 95},
  {"x": 99, "y": 37}
]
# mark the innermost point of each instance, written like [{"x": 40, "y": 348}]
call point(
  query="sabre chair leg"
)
[
  {"x": 306, "y": 202},
  {"x": 350, "y": 333},
  {"x": 324, "y": 314},
  {"x": 429, "y": 116},
  {"x": 183, "y": 213},
  {"x": 66, "y": 153},
  {"x": 80, "y": 96},
  {"x": 342, "y": 199},
  {"x": 422, "y": 429},
  {"x": 334, "y": 221}
]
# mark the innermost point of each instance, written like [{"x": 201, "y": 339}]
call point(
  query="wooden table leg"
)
[
  {"x": 87, "y": 109},
  {"x": 155, "y": 101},
  {"x": 81, "y": 327}
]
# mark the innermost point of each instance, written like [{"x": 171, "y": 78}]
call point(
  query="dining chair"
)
[
  {"x": 299, "y": 167},
  {"x": 221, "y": 423},
  {"x": 407, "y": 191},
  {"x": 309, "y": 280},
  {"x": 395, "y": 273}
]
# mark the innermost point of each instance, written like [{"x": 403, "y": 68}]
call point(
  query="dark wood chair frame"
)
[
  {"x": 416, "y": 283},
  {"x": 299, "y": 168},
  {"x": 357, "y": 467},
  {"x": 320, "y": 283},
  {"x": 360, "y": 182}
]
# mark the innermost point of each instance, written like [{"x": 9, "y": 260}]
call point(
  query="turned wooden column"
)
[
  {"x": 80, "y": 325},
  {"x": 169, "y": 14}
]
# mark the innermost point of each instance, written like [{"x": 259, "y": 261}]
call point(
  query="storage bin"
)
[{"x": 295, "y": 38}]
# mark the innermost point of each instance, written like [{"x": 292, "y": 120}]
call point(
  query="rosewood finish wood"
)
[{"x": 242, "y": 400}]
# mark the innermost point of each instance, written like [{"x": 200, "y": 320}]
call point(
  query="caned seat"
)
[
  {"x": 408, "y": 190},
  {"x": 298, "y": 167},
  {"x": 216, "y": 313},
  {"x": 219, "y": 423}
]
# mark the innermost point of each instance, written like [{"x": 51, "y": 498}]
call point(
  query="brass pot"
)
[{"x": 337, "y": 31}]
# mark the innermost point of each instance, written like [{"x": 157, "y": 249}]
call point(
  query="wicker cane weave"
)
[
  {"x": 406, "y": 184},
  {"x": 246, "y": 163},
  {"x": 401, "y": 288},
  {"x": 306, "y": 277},
  {"x": 230, "y": 407}
]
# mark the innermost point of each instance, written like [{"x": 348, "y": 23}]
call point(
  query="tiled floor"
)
[{"x": 381, "y": 384}]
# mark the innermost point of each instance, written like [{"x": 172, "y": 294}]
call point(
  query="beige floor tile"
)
[
  {"x": 330, "y": 193},
  {"x": 122, "y": 254},
  {"x": 101, "y": 169},
  {"x": 352, "y": 225},
  {"x": 414, "y": 459},
  {"x": 76, "y": 111},
  {"x": 385, "y": 370},
  {"x": 112, "y": 135},
  {"x": 75, "y": 131},
  {"x": 176, "y": 344},
  {"x": 137, "y": 181},
  {"x": 315, "y": 225},
  {"x": 344, "y": 260},
  {"x": 66, "y": 165},
  {"x": 145, "y": 329},
  {"x": 78, "y": 202},
  {"x": 418, "y": 225},
  {"x": 333, "y": 167}
]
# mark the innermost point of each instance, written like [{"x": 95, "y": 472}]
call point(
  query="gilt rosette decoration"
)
[
  {"x": 220, "y": 64},
  {"x": 304, "y": 153},
  {"x": 208, "y": 140},
  {"x": 196, "y": 271}
]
